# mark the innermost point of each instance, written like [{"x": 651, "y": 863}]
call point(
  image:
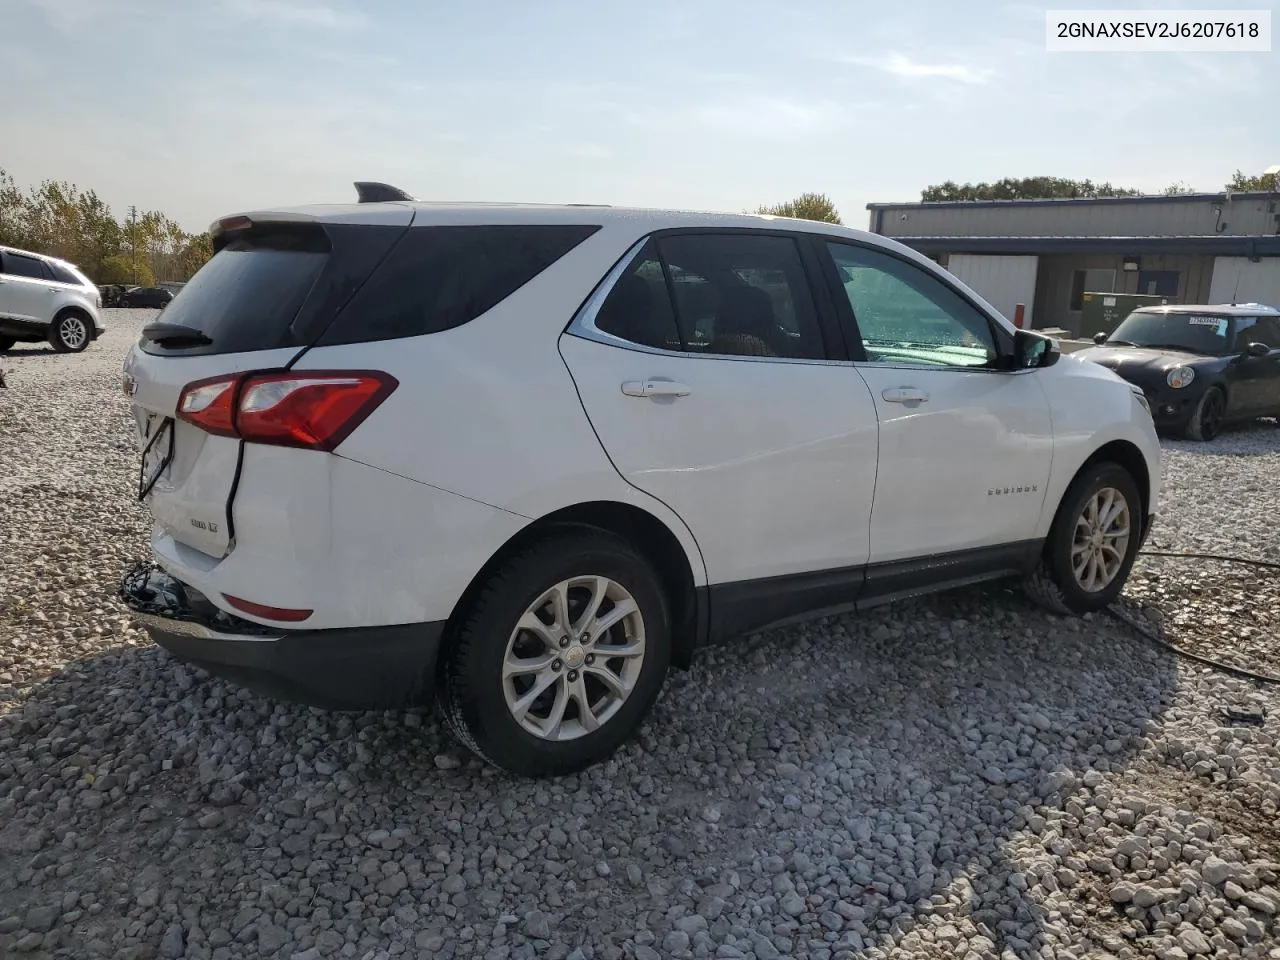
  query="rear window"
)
[
  {"x": 436, "y": 278},
  {"x": 65, "y": 274},
  {"x": 247, "y": 296}
]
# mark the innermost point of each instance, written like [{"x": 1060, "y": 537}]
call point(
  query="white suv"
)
[
  {"x": 46, "y": 299},
  {"x": 524, "y": 458}
]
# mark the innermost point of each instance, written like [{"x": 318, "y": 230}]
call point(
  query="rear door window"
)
[
  {"x": 638, "y": 308},
  {"x": 437, "y": 278},
  {"x": 17, "y": 265},
  {"x": 742, "y": 295}
]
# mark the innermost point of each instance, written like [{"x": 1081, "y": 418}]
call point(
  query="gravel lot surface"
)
[{"x": 959, "y": 777}]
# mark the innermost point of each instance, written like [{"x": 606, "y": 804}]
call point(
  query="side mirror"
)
[
  {"x": 1256, "y": 349},
  {"x": 1100, "y": 337},
  {"x": 1032, "y": 349}
]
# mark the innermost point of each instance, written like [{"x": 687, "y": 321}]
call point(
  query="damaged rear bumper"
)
[{"x": 374, "y": 668}]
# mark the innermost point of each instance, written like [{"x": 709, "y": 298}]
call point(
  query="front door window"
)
[{"x": 906, "y": 316}]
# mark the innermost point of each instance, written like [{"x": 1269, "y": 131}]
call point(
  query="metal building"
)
[{"x": 1046, "y": 254}]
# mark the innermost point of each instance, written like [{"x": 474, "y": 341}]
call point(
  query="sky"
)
[{"x": 200, "y": 108}]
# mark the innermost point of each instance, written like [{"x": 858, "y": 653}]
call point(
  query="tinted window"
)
[
  {"x": 638, "y": 308},
  {"x": 906, "y": 315},
  {"x": 246, "y": 297},
  {"x": 15, "y": 264},
  {"x": 436, "y": 278},
  {"x": 742, "y": 295},
  {"x": 63, "y": 274},
  {"x": 1195, "y": 333},
  {"x": 1266, "y": 330}
]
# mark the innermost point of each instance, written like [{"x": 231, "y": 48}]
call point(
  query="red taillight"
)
[
  {"x": 210, "y": 405},
  {"x": 315, "y": 410},
  {"x": 282, "y": 614}
]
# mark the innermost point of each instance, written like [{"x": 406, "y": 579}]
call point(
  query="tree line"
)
[
  {"x": 1043, "y": 188},
  {"x": 61, "y": 220},
  {"x": 818, "y": 206}
]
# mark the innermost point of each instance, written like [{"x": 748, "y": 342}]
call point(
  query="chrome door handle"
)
[
  {"x": 905, "y": 395},
  {"x": 654, "y": 388}
]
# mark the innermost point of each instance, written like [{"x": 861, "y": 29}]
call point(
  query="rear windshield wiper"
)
[{"x": 175, "y": 335}]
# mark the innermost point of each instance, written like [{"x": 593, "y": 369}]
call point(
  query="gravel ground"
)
[{"x": 958, "y": 777}]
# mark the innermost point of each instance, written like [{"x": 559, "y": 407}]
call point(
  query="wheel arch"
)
[
  {"x": 75, "y": 308},
  {"x": 1127, "y": 455},
  {"x": 640, "y": 528},
  {"x": 1221, "y": 384}
]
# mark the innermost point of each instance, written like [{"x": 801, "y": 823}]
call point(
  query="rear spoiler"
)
[{"x": 367, "y": 191}]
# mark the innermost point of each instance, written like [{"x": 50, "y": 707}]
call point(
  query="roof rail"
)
[{"x": 370, "y": 191}]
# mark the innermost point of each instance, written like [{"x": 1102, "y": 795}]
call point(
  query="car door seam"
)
[{"x": 605, "y": 450}]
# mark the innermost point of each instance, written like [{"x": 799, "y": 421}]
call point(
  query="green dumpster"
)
[{"x": 1102, "y": 312}]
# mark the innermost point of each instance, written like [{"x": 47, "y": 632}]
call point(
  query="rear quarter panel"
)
[
  {"x": 488, "y": 411},
  {"x": 358, "y": 546}
]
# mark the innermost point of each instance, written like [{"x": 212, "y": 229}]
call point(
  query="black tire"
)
[
  {"x": 470, "y": 681},
  {"x": 70, "y": 332},
  {"x": 1053, "y": 585},
  {"x": 1206, "y": 421},
  {"x": 6, "y": 343}
]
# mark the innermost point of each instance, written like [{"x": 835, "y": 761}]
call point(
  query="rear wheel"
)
[
  {"x": 560, "y": 656},
  {"x": 69, "y": 333},
  {"x": 1092, "y": 544},
  {"x": 1206, "y": 421}
]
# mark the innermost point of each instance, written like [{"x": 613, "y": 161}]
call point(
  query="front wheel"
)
[
  {"x": 1092, "y": 543},
  {"x": 560, "y": 656},
  {"x": 1206, "y": 421},
  {"x": 69, "y": 333},
  {"x": 6, "y": 343}
]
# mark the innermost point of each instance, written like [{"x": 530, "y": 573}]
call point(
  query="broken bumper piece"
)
[{"x": 362, "y": 668}]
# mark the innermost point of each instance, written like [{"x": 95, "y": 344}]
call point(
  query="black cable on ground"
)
[
  {"x": 1145, "y": 629},
  {"x": 1247, "y": 561}
]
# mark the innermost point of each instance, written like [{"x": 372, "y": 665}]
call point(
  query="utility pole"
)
[{"x": 133, "y": 240}]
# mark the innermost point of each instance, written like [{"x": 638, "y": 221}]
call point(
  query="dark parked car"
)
[
  {"x": 147, "y": 297},
  {"x": 112, "y": 294},
  {"x": 1201, "y": 367}
]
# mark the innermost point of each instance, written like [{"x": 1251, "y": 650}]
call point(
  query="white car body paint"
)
[
  {"x": 966, "y": 468},
  {"x": 757, "y": 453},
  {"x": 33, "y": 303},
  {"x": 765, "y": 469}
]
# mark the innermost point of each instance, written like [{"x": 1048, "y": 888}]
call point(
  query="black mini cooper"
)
[{"x": 1201, "y": 367}]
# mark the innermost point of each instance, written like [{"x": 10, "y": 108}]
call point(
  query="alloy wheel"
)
[
  {"x": 1101, "y": 540},
  {"x": 72, "y": 332},
  {"x": 574, "y": 658}
]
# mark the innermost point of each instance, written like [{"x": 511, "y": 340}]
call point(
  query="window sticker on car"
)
[
  {"x": 1222, "y": 328},
  {"x": 1205, "y": 321}
]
